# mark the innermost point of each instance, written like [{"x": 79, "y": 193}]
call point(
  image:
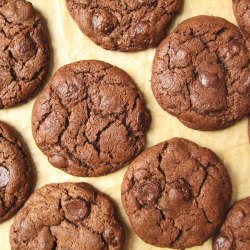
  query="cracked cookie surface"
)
[
  {"x": 242, "y": 13},
  {"x": 67, "y": 216},
  {"x": 176, "y": 194},
  {"x": 235, "y": 231},
  {"x": 91, "y": 119},
  {"x": 125, "y": 25},
  {"x": 24, "y": 52},
  {"x": 16, "y": 175},
  {"x": 201, "y": 73}
]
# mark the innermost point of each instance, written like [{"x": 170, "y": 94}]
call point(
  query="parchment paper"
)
[{"x": 70, "y": 45}]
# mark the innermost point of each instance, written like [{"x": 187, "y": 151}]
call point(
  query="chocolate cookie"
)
[
  {"x": 67, "y": 216},
  {"x": 91, "y": 119},
  {"x": 242, "y": 13},
  {"x": 16, "y": 175},
  {"x": 24, "y": 52},
  {"x": 201, "y": 73},
  {"x": 235, "y": 232},
  {"x": 125, "y": 25},
  {"x": 176, "y": 194}
]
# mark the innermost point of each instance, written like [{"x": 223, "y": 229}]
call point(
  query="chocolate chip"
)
[
  {"x": 180, "y": 192},
  {"x": 148, "y": 193},
  {"x": 4, "y": 176},
  {"x": 57, "y": 160},
  {"x": 76, "y": 208},
  {"x": 233, "y": 49},
  {"x": 109, "y": 236},
  {"x": 69, "y": 91},
  {"x": 141, "y": 28},
  {"x": 247, "y": 82},
  {"x": 24, "y": 48},
  {"x": 150, "y": 3},
  {"x": 104, "y": 21},
  {"x": 222, "y": 242},
  {"x": 27, "y": 227},
  {"x": 210, "y": 80}
]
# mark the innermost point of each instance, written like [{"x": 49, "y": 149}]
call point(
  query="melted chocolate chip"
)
[
  {"x": 247, "y": 82},
  {"x": 180, "y": 192},
  {"x": 69, "y": 91},
  {"x": 210, "y": 80},
  {"x": 104, "y": 21},
  {"x": 141, "y": 28},
  {"x": 76, "y": 208},
  {"x": 150, "y": 3},
  {"x": 57, "y": 160},
  {"x": 24, "y": 48},
  {"x": 222, "y": 243},
  {"x": 148, "y": 193},
  {"x": 109, "y": 236},
  {"x": 4, "y": 177}
]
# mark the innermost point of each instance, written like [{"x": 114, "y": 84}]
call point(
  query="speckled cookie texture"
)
[
  {"x": 91, "y": 119},
  {"x": 176, "y": 194},
  {"x": 24, "y": 52},
  {"x": 125, "y": 25},
  {"x": 242, "y": 13},
  {"x": 16, "y": 175},
  {"x": 235, "y": 231},
  {"x": 201, "y": 73},
  {"x": 67, "y": 216}
]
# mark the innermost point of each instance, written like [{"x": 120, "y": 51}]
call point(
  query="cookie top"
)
[
  {"x": 201, "y": 73},
  {"x": 125, "y": 25},
  {"x": 242, "y": 13},
  {"x": 176, "y": 194},
  {"x": 24, "y": 52},
  {"x": 67, "y": 216},
  {"x": 16, "y": 175},
  {"x": 91, "y": 119},
  {"x": 235, "y": 231}
]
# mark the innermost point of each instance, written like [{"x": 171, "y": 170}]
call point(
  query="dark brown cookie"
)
[
  {"x": 235, "y": 231},
  {"x": 67, "y": 216},
  {"x": 242, "y": 13},
  {"x": 91, "y": 119},
  {"x": 16, "y": 175},
  {"x": 201, "y": 73},
  {"x": 125, "y": 25},
  {"x": 24, "y": 52},
  {"x": 176, "y": 194}
]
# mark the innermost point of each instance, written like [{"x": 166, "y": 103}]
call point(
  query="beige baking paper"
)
[{"x": 70, "y": 45}]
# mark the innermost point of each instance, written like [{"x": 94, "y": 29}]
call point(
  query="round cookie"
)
[
  {"x": 201, "y": 73},
  {"x": 24, "y": 52},
  {"x": 67, "y": 216},
  {"x": 16, "y": 175},
  {"x": 176, "y": 194},
  {"x": 235, "y": 231},
  {"x": 242, "y": 13},
  {"x": 126, "y": 25},
  {"x": 91, "y": 119}
]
